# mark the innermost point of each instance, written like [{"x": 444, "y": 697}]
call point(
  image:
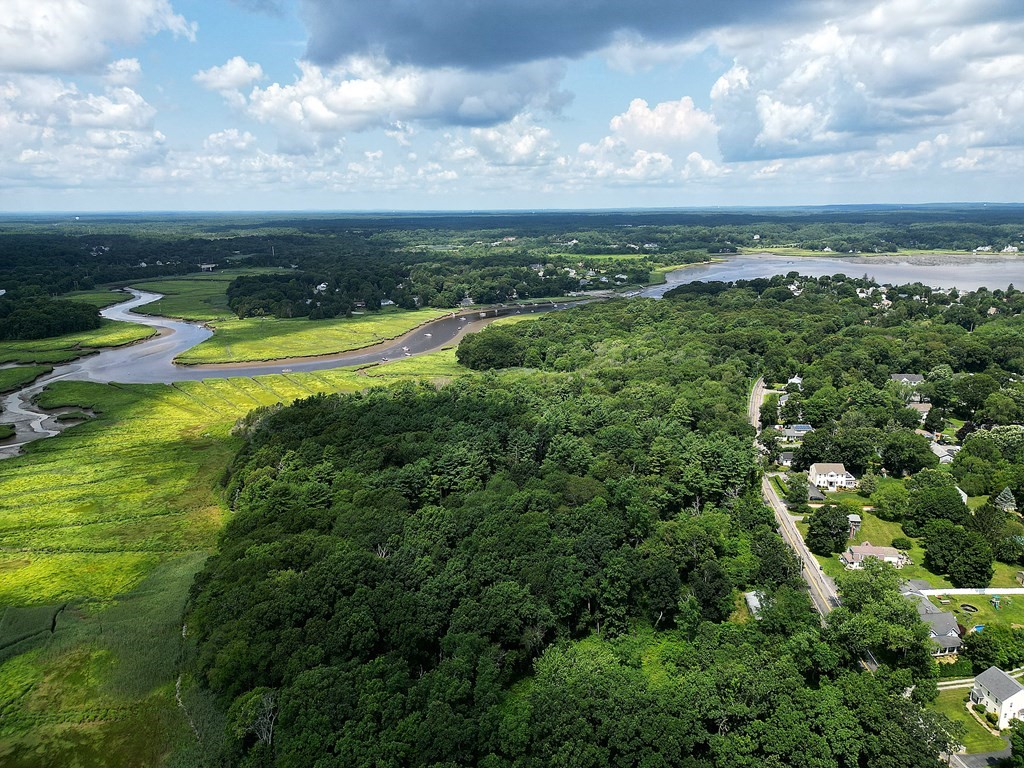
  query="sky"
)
[{"x": 125, "y": 105}]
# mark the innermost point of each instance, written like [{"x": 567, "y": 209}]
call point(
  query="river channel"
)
[{"x": 152, "y": 361}]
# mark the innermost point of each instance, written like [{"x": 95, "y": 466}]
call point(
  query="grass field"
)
[
  {"x": 1010, "y": 613},
  {"x": 63, "y": 348},
  {"x": 15, "y": 378},
  {"x": 101, "y": 297},
  {"x": 104, "y": 528},
  {"x": 881, "y": 533},
  {"x": 200, "y": 296},
  {"x": 977, "y": 739},
  {"x": 269, "y": 338},
  {"x": 197, "y": 297}
]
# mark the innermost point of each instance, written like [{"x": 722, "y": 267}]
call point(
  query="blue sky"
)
[{"x": 465, "y": 104}]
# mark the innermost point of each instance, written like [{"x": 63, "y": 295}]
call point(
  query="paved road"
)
[{"x": 822, "y": 589}]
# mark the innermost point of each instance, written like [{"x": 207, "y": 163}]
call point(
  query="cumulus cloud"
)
[
  {"x": 71, "y": 35},
  {"x": 366, "y": 94},
  {"x": 51, "y": 133},
  {"x": 667, "y": 123},
  {"x": 476, "y": 35},
  {"x": 234, "y": 74},
  {"x": 871, "y": 75},
  {"x": 123, "y": 72},
  {"x": 519, "y": 142}
]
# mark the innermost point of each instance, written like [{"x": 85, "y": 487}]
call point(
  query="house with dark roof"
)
[
  {"x": 786, "y": 459},
  {"x": 1000, "y": 694},
  {"x": 944, "y": 633}
]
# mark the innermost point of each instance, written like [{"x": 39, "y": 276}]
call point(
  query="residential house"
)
[
  {"x": 943, "y": 631},
  {"x": 854, "y": 557},
  {"x": 999, "y": 693},
  {"x": 786, "y": 459},
  {"x": 946, "y": 453},
  {"x": 910, "y": 379},
  {"x": 855, "y": 522},
  {"x": 921, "y": 408},
  {"x": 796, "y": 432},
  {"x": 796, "y": 381},
  {"x": 831, "y": 476}
]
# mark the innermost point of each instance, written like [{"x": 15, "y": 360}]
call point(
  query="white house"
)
[
  {"x": 946, "y": 453},
  {"x": 910, "y": 379},
  {"x": 796, "y": 381},
  {"x": 854, "y": 557},
  {"x": 999, "y": 693},
  {"x": 831, "y": 476}
]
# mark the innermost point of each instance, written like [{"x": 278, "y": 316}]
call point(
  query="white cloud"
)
[
  {"x": 699, "y": 167},
  {"x": 519, "y": 142},
  {"x": 53, "y": 134},
  {"x": 668, "y": 123},
  {"x": 871, "y": 75},
  {"x": 229, "y": 140},
  {"x": 233, "y": 75},
  {"x": 366, "y": 93},
  {"x": 123, "y": 72},
  {"x": 73, "y": 35}
]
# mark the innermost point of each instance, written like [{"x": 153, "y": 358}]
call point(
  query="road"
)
[{"x": 821, "y": 588}]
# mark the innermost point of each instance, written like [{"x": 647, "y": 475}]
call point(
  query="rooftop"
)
[{"x": 998, "y": 683}]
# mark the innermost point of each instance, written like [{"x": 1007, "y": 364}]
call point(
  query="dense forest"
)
[
  {"x": 439, "y": 260},
  {"x": 41, "y": 317},
  {"x": 545, "y": 568}
]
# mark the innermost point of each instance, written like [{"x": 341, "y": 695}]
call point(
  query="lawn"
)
[
  {"x": 269, "y": 338},
  {"x": 1010, "y": 613},
  {"x": 881, "y": 533},
  {"x": 17, "y": 377},
  {"x": 110, "y": 521},
  {"x": 977, "y": 738},
  {"x": 70, "y": 346}
]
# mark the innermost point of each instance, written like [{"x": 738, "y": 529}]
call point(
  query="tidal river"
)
[{"x": 152, "y": 361}]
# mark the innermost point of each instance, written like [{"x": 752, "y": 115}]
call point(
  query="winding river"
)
[{"x": 152, "y": 361}]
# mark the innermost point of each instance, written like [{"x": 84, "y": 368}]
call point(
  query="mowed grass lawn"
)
[
  {"x": 881, "y": 533},
  {"x": 63, "y": 348},
  {"x": 1010, "y": 613},
  {"x": 104, "y": 528},
  {"x": 977, "y": 738},
  {"x": 268, "y": 338}
]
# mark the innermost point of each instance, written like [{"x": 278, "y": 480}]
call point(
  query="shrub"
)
[{"x": 902, "y": 542}]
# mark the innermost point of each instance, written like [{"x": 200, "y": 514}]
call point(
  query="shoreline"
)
[{"x": 912, "y": 258}]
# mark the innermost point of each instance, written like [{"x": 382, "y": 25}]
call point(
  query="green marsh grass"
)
[
  {"x": 70, "y": 346},
  {"x": 113, "y": 518},
  {"x": 269, "y": 338},
  {"x": 15, "y": 378}
]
